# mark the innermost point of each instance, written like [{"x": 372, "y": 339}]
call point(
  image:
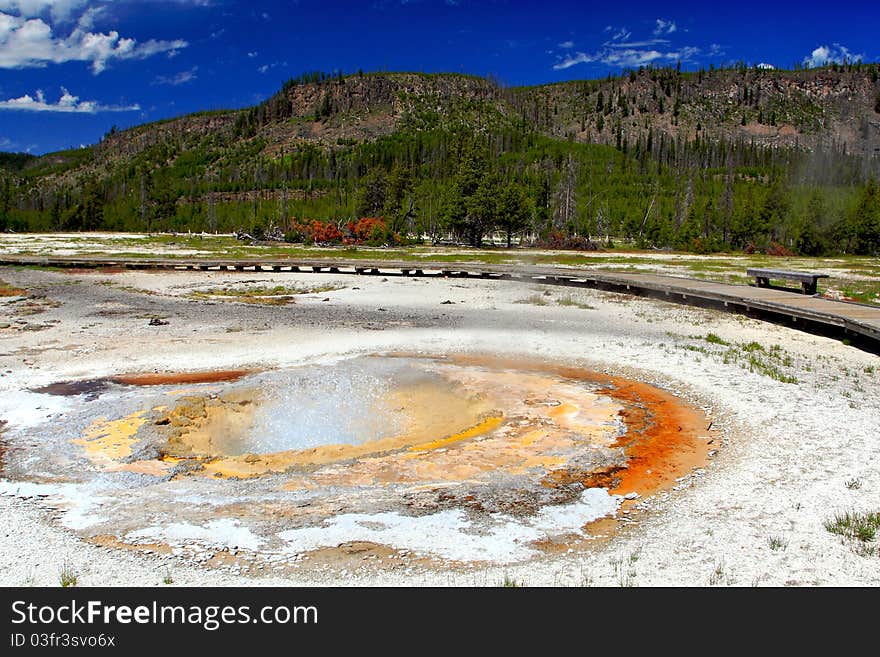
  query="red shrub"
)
[
  {"x": 312, "y": 230},
  {"x": 776, "y": 249},
  {"x": 321, "y": 232},
  {"x": 556, "y": 239},
  {"x": 363, "y": 229}
]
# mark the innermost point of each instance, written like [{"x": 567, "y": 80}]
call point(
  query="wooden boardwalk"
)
[{"x": 857, "y": 322}]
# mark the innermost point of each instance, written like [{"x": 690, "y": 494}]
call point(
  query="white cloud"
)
[
  {"x": 64, "y": 10},
  {"x": 265, "y": 68},
  {"x": 60, "y": 10},
  {"x": 573, "y": 60},
  {"x": 664, "y": 27},
  {"x": 765, "y": 66},
  {"x": 684, "y": 54},
  {"x": 35, "y": 33},
  {"x": 87, "y": 21},
  {"x": 621, "y": 34},
  {"x": 68, "y": 103},
  {"x": 253, "y": 54},
  {"x": 635, "y": 44},
  {"x": 178, "y": 78},
  {"x": 628, "y": 57},
  {"x": 566, "y": 44},
  {"x": 631, "y": 57},
  {"x": 618, "y": 51},
  {"x": 31, "y": 42},
  {"x": 835, "y": 54},
  {"x": 819, "y": 57}
]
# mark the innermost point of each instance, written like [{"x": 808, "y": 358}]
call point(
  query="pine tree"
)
[
  {"x": 5, "y": 201},
  {"x": 863, "y": 222},
  {"x": 398, "y": 203},
  {"x": 482, "y": 209},
  {"x": 513, "y": 211},
  {"x": 93, "y": 207},
  {"x": 774, "y": 213},
  {"x": 372, "y": 194},
  {"x": 808, "y": 239}
]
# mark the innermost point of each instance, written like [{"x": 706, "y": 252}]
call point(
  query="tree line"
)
[{"x": 441, "y": 180}]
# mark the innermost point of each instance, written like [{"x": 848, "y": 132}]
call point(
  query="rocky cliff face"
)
[
  {"x": 396, "y": 93},
  {"x": 127, "y": 144},
  {"x": 805, "y": 109},
  {"x": 363, "y": 107}
]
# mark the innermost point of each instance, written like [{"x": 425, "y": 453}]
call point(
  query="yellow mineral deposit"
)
[
  {"x": 210, "y": 426},
  {"x": 483, "y": 427},
  {"x": 107, "y": 442}
]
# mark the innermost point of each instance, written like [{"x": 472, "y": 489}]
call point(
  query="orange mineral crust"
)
[
  {"x": 664, "y": 434},
  {"x": 175, "y": 378}
]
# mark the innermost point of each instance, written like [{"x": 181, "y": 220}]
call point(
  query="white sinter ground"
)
[{"x": 790, "y": 455}]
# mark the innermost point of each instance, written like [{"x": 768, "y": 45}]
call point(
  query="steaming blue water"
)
[{"x": 318, "y": 405}]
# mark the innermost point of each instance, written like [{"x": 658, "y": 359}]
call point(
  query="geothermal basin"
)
[
  {"x": 420, "y": 431},
  {"x": 452, "y": 458}
]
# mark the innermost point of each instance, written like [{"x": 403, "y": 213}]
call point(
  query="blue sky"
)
[{"x": 71, "y": 69}]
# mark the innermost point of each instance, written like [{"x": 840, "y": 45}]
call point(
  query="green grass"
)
[
  {"x": 570, "y": 302},
  {"x": 716, "y": 578},
  {"x": 859, "y": 527},
  {"x": 68, "y": 575},
  {"x": 127, "y": 288},
  {"x": 767, "y": 361},
  {"x": 273, "y": 296},
  {"x": 862, "y": 291},
  {"x": 761, "y": 366},
  {"x": 711, "y": 338},
  {"x": 535, "y": 300},
  {"x": 777, "y": 543},
  {"x": 271, "y": 291},
  {"x": 509, "y": 583}
]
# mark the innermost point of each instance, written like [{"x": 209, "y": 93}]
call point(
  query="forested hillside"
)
[{"x": 740, "y": 158}]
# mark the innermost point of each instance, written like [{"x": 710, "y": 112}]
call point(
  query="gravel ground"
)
[{"x": 790, "y": 455}]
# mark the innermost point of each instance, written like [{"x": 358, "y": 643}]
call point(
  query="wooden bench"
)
[{"x": 807, "y": 280}]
